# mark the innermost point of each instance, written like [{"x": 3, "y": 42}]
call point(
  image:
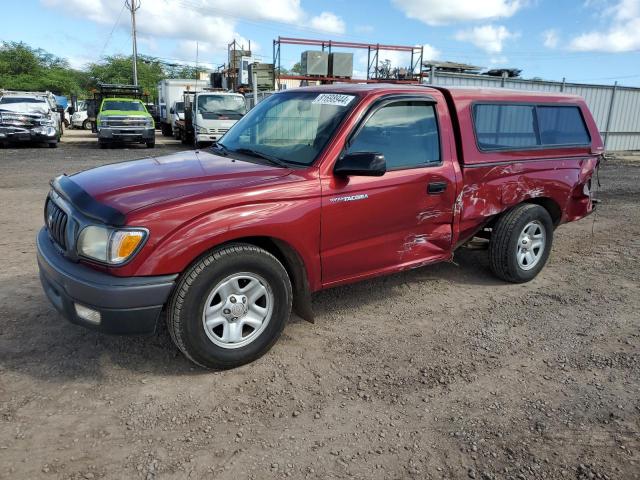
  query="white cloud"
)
[
  {"x": 328, "y": 22},
  {"x": 550, "y": 38},
  {"x": 622, "y": 35},
  {"x": 442, "y": 12},
  {"x": 429, "y": 52},
  {"x": 211, "y": 23},
  {"x": 487, "y": 37}
]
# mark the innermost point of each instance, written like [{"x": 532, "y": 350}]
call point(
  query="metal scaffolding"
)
[{"x": 375, "y": 73}]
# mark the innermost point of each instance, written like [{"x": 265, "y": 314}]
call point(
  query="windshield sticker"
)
[{"x": 336, "y": 99}]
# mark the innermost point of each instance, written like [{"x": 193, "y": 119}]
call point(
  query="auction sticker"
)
[{"x": 336, "y": 99}]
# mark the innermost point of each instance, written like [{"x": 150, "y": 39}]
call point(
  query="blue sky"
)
[{"x": 595, "y": 41}]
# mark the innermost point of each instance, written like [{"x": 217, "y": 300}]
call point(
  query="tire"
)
[
  {"x": 512, "y": 253},
  {"x": 197, "y": 288},
  {"x": 86, "y": 125},
  {"x": 53, "y": 145},
  {"x": 166, "y": 130},
  {"x": 151, "y": 144},
  {"x": 102, "y": 145}
]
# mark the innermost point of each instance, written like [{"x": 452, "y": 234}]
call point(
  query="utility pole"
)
[{"x": 134, "y": 5}]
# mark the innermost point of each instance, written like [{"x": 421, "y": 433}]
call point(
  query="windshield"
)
[
  {"x": 125, "y": 105},
  {"x": 221, "y": 106},
  {"x": 179, "y": 107},
  {"x": 293, "y": 127},
  {"x": 82, "y": 106},
  {"x": 9, "y": 100}
]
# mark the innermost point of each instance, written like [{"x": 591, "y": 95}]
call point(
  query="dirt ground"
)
[{"x": 440, "y": 372}]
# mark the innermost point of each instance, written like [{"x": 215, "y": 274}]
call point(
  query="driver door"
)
[{"x": 374, "y": 225}]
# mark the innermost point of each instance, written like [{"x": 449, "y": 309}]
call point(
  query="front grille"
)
[
  {"x": 56, "y": 221},
  {"x": 120, "y": 122}
]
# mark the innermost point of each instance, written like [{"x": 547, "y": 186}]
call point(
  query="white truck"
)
[
  {"x": 171, "y": 90},
  {"x": 30, "y": 117},
  {"x": 208, "y": 114}
]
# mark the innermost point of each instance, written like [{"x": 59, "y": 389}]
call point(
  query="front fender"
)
[{"x": 295, "y": 222}]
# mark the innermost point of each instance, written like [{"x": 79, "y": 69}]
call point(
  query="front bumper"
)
[
  {"x": 126, "y": 134},
  {"x": 15, "y": 134},
  {"x": 208, "y": 137},
  {"x": 129, "y": 305}
]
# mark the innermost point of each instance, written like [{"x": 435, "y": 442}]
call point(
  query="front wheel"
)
[
  {"x": 520, "y": 243},
  {"x": 230, "y": 307}
]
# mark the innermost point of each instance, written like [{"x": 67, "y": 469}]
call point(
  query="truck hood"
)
[
  {"x": 123, "y": 113},
  {"x": 129, "y": 186},
  {"x": 32, "y": 108}
]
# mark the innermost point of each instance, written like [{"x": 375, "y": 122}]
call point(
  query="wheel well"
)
[
  {"x": 293, "y": 264},
  {"x": 550, "y": 206}
]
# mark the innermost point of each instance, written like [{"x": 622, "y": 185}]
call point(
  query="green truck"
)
[{"x": 122, "y": 117}]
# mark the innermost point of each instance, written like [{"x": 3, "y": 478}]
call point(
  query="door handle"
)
[{"x": 436, "y": 187}]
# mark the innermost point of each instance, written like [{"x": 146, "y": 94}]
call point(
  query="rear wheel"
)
[
  {"x": 520, "y": 243},
  {"x": 151, "y": 144},
  {"x": 230, "y": 307},
  {"x": 86, "y": 125}
]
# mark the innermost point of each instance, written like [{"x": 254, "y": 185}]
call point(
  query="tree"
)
[
  {"x": 26, "y": 68},
  {"x": 119, "y": 69}
]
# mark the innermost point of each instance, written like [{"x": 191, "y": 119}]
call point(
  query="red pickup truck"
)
[{"x": 314, "y": 188}]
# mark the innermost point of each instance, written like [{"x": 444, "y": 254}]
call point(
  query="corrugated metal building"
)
[{"x": 616, "y": 109}]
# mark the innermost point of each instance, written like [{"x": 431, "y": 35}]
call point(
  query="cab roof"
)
[
  {"x": 122, "y": 99},
  {"x": 456, "y": 93}
]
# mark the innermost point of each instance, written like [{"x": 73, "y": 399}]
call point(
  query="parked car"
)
[
  {"x": 124, "y": 120},
  {"x": 80, "y": 119},
  {"x": 29, "y": 117},
  {"x": 314, "y": 188}
]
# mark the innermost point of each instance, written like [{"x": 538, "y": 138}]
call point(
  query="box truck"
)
[{"x": 171, "y": 90}]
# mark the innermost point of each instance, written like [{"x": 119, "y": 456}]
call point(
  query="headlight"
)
[
  {"x": 202, "y": 130},
  {"x": 108, "y": 245},
  {"x": 148, "y": 123}
]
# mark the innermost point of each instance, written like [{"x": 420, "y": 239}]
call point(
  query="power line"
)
[{"x": 112, "y": 30}]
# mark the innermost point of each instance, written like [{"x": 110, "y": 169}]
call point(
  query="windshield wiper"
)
[
  {"x": 255, "y": 153},
  {"x": 223, "y": 150}
]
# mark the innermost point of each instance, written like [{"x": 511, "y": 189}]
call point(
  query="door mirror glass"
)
[
  {"x": 172, "y": 111},
  {"x": 366, "y": 164}
]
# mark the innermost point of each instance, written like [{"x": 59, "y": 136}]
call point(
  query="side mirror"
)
[
  {"x": 365, "y": 164},
  {"x": 172, "y": 111}
]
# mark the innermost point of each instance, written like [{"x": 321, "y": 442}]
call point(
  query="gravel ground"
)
[{"x": 440, "y": 372}]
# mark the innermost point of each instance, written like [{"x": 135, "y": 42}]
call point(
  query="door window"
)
[{"x": 406, "y": 133}]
